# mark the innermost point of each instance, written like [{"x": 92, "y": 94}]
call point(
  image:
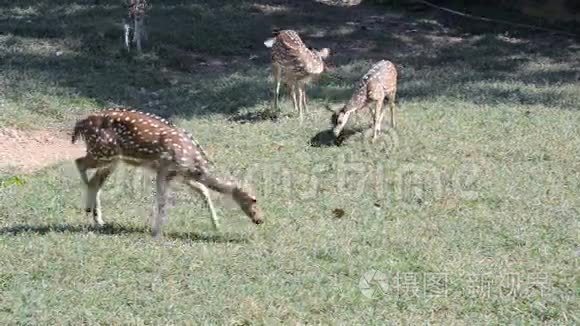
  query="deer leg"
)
[
  {"x": 392, "y": 109},
  {"x": 204, "y": 192},
  {"x": 377, "y": 117},
  {"x": 161, "y": 198},
  {"x": 300, "y": 102},
  {"x": 94, "y": 193},
  {"x": 277, "y": 80},
  {"x": 380, "y": 122},
  {"x": 137, "y": 33},
  {"x": 294, "y": 99},
  {"x": 144, "y": 35},
  {"x": 304, "y": 106},
  {"x": 371, "y": 113},
  {"x": 83, "y": 164},
  {"x": 127, "y": 29}
]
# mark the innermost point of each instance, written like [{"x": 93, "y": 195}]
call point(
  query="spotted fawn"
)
[
  {"x": 295, "y": 65},
  {"x": 378, "y": 84}
]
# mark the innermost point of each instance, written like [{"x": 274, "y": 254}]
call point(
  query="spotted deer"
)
[
  {"x": 378, "y": 84},
  {"x": 295, "y": 65},
  {"x": 119, "y": 135}
]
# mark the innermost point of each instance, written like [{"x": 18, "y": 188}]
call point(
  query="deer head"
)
[
  {"x": 248, "y": 204},
  {"x": 323, "y": 53}
]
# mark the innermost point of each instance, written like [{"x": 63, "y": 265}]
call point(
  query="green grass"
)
[{"x": 480, "y": 183}]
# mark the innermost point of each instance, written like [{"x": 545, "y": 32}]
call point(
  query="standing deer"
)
[
  {"x": 294, "y": 64},
  {"x": 378, "y": 84},
  {"x": 136, "y": 15},
  {"x": 144, "y": 140}
]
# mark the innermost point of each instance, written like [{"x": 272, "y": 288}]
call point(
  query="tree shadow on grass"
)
[
  {"x": 207, "y": 46},
  {"x": 113, "y": 229}
]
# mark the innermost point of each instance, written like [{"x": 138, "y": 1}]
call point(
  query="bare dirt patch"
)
[{"x": 31, "y": 150}]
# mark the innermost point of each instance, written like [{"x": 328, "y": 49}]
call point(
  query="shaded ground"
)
[
  {"x": 65, "y": 58},
  {"x": 214, "y": 62}
]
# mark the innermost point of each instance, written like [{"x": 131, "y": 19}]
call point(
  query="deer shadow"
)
[
  {"x": 113, "y": 229},
  {"x": 326, "y": 138}
]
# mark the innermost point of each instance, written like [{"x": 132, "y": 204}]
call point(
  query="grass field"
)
[{"x": 468, "y": 213}]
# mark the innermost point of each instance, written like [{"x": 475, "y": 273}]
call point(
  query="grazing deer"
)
[
  {"x": 294, "y": 64},
  {"x": 378, "y": 84},
  {"x": 144, "y": 140}
]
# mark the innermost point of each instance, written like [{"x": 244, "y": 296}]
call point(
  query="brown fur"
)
[
  {"x": 145, "y": 140},
  {"x": 378, "y": 84},
  {"x": 295, "y": 65}
]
